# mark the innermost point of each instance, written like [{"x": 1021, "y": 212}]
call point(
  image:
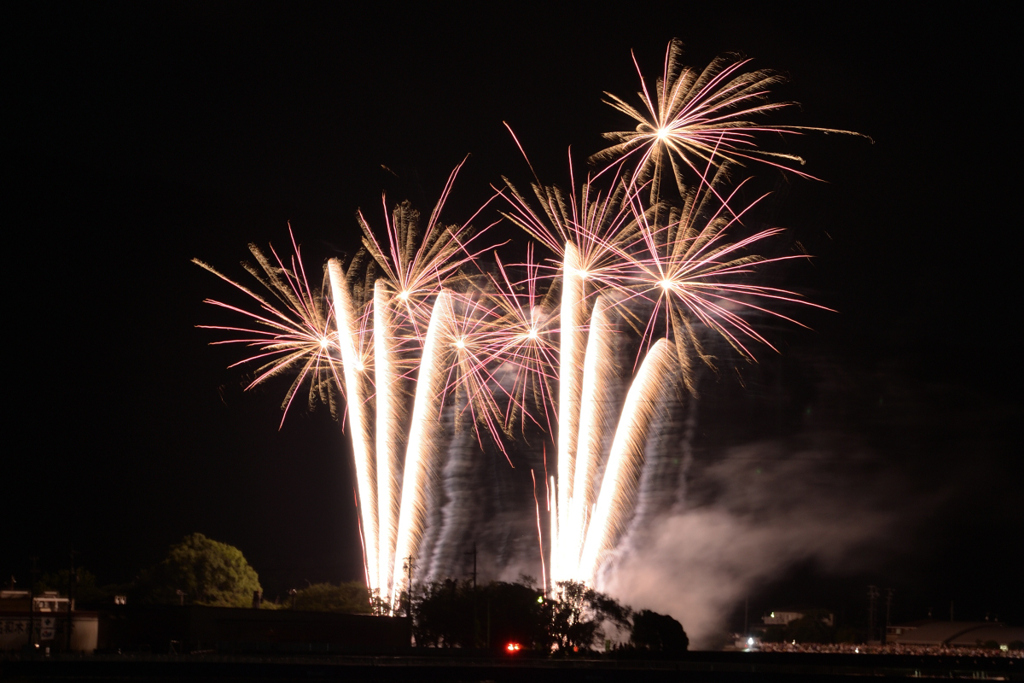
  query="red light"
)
[{"x": 512, "y": 648}]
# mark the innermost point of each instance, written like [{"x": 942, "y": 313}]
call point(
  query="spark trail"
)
[
  {"x": 390, "y": 436},
  {"x": 626, "y": 458},
  {"x": 422, "y": 457},
  {"x": 597, "y": 415},
  {"x": 350, "y": 342}
]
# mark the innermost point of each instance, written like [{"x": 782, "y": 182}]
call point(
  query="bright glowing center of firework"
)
[
  {"x": 460, "y": 344},
  {"x": 532, "y": 334},
  {"x": 663, "y": 133},
  {"x": 324, "y": 342},
  {"x": 666, "y": 284},
  {"x": 359, "y": 367},
  {"x": 582, "y": 274},
  {"x": 403, "y": 295}
]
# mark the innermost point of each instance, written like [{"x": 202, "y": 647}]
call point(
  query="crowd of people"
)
[{"x": 891, "y": 649}]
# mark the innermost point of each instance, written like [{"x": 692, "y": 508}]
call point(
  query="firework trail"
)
[
  {"x": 390, "y": 434},
  {"x": 358, "y": 391},
  {"x": 597, "y": 410},
  {"x": 588, "y": 229},
  {"x": 570, "y": 387},
  {"x": 625, "y": 461},
  {"x": 415, "y": 262},
  {"x": 423, "y": 452}
]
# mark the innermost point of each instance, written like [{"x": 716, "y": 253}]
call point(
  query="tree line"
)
[{"x": 572, "y": 619}]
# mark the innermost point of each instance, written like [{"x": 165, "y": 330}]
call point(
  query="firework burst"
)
[
  {"x": 593, "y": 221},
  {"x": 416, "y": 321},
  {"x": 417, "y": 260},
  {"x": 689, "y": 271},
  {"x": 290, "y": 331},
  {"x": 696, "y": 120}
]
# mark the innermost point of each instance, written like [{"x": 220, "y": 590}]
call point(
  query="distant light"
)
[
  {"x": 750, "y": 642},
  {"x": 513, "y": 648}
]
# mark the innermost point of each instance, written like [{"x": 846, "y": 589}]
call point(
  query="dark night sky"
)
[{"x": 140, "y": 136}]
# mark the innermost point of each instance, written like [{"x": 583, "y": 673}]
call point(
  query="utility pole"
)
[
  {"x": 889, "y": 592},
  {"x": 473, "y": 553},
  {"x": 476, "y": 622},
  {"x": 872, "y": 605},
  {"x": 32, "y": 602},
  {"x": 71, "y": 601},
  {"x": 410, "y": 562}
]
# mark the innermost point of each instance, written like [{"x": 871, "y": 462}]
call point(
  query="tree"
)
[
  {"x": 453, "y": 614},
  {"x": 206, "y": 572},
  {"x": 579, "y": 612},
  {"x": 514, "y": 613},
  {"x": 810, "y": 628},
  {"x": 350, "y": 598},
  {"x": 85, "y": 588},
  {"x": 658, "y": 633}
]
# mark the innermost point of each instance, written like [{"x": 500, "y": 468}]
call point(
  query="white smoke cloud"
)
[{"x": 758, "y": 510}]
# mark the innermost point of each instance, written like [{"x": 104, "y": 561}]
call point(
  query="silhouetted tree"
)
[
  {"x": 453, "y": 614},
  {"x": 86, "y": 589},
  {"x": 444, "y": 614},
  {"x": 578, "y": 613},
  {"x": 658, "y": 633},
  {"x": 207, "y": 572},
  {"x": 350, "y": 598},
  {"x": 810, "y": 628},
  {"x": 513, "y": 613}
]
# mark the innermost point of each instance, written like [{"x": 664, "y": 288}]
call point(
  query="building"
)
[
  {"x": 956, "y": 634},
  {"x": 42, "y": 622},
  {"x": 784, "y": 617}
]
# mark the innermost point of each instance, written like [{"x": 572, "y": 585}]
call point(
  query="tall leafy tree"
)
[
  {"x": 658, "y": 633},
  {"x": 579, "y": 614},
  {"x": 350, "y": 598},
  {"x": 205, "y": 571}
]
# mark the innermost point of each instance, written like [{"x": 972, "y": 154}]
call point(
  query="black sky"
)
[{"x": 139, "y": 136}]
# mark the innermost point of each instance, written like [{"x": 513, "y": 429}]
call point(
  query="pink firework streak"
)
[
  {"x": 290, "y": 330},
  {"x": 708, "y": 116}
]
